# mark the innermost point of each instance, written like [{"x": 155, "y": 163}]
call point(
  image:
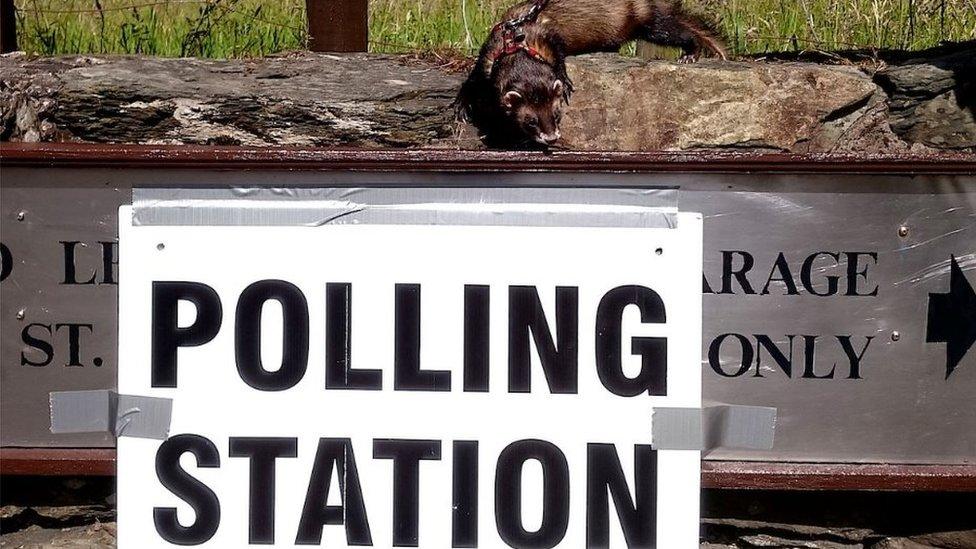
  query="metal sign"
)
[
  {"x": 841, "y": 300},
  {"x": 467, "y": 386},
  {"x": 59, "y": 283},
  {"x": 851, "y": 311}
]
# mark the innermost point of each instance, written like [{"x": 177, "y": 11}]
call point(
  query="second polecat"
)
[{"x": 515, "y": 91}]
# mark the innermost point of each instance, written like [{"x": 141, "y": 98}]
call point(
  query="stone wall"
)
[{"x": 359, "y": 100}]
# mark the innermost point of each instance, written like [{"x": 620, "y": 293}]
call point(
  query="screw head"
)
[
  {"x": 896, "y": 335},
  {"x": 903, "y": 231}
]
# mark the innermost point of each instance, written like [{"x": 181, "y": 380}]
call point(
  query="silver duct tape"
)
[
  {"x": 107, "y": 411},
  {"x": 747, "y": 427},
  {"x": 713, "y": 427},
  {"x": 143, "y": 417},
  {"x": 676, "y": 428},
  {"x": 314, "y": 206},
  {"x": 82, "y": 411}
]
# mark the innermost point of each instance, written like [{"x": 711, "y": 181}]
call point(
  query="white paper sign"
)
[{"x": 414, "y": 386}]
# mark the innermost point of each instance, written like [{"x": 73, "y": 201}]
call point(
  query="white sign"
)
[{"x": 410, "y": 386}]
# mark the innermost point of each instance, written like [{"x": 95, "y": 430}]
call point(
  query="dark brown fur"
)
[{"x": 516, "y": 99}]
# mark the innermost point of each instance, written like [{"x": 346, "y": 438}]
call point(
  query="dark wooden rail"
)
[
  {"x": 8, "y": 26},
  {"x": 85, "y": 155},
  {"x": 715, "y": 474}
]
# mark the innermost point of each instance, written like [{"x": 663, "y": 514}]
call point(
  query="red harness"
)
[
  {"x": 513, "y": 45},
  {"x": 514, "y": 38}
]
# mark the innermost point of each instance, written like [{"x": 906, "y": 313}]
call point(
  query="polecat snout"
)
[{"x": 515, "y": 91}]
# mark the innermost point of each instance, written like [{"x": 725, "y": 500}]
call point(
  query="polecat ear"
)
[
  {"x": 557, "y": 88},
  {"x": 511, "y": 99}
]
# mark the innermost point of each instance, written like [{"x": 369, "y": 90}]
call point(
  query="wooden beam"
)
[
  {"x": 737, "y": 475},
  {"x": 204, "y": 157},
  {"x": 337, "y": 25},
  {"x": 96, "y": 462},
  {"x": 749, "y": 475},
  {"x": 8, "y": 26},
  {"x": 646, "y": 50}
]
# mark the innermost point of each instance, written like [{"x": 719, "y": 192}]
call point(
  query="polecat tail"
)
[
  {"x": 706, "y": 37},
  {"x": 671, "y": 25}
]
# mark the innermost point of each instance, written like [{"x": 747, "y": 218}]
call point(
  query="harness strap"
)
[
  {"x": 514, "y": 46},
  {"x": 514, "y": 38}
]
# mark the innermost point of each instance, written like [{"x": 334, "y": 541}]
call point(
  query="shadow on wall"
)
[
  {"x": 730, "y": 518},
  {"x": 933, "y": 95}
]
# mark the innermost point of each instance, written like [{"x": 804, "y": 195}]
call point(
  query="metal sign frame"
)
[{"x": 715, "y": 474}]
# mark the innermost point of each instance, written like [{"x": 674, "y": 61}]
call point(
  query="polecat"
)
[{"x": 515, "y": 91}]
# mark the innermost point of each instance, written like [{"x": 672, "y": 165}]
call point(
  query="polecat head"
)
[{"x": 530, "y": 97}]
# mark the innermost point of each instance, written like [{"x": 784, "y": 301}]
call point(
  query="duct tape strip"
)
[
  {"x": 315, "y": 206},
  {"x": 712, "y": 427},
  {"x": 108, "y": 411}
]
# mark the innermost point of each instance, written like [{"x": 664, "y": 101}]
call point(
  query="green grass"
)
[
  {"x": 244, "y": 28},
  {"x": 206, "y": 28},
  {"x": 757, "y": 26}
]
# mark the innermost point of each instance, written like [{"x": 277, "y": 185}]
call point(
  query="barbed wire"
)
[
  {"x": 254, "y": 17},
  {"x": 35, "y": 9}
]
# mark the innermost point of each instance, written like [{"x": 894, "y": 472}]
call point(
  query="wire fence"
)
[
  {"x": 98, "y": 8},
  {"x": 242, "y": 28}
]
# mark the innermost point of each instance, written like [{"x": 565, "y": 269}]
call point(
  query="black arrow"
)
[{"x": 952, "y": 318}]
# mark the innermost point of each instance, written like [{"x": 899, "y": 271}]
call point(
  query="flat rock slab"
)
[
  {"x": 630, "y": 104},
  {"x": 309, "y": 100},
  {"x": 383, "y": 101}
]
